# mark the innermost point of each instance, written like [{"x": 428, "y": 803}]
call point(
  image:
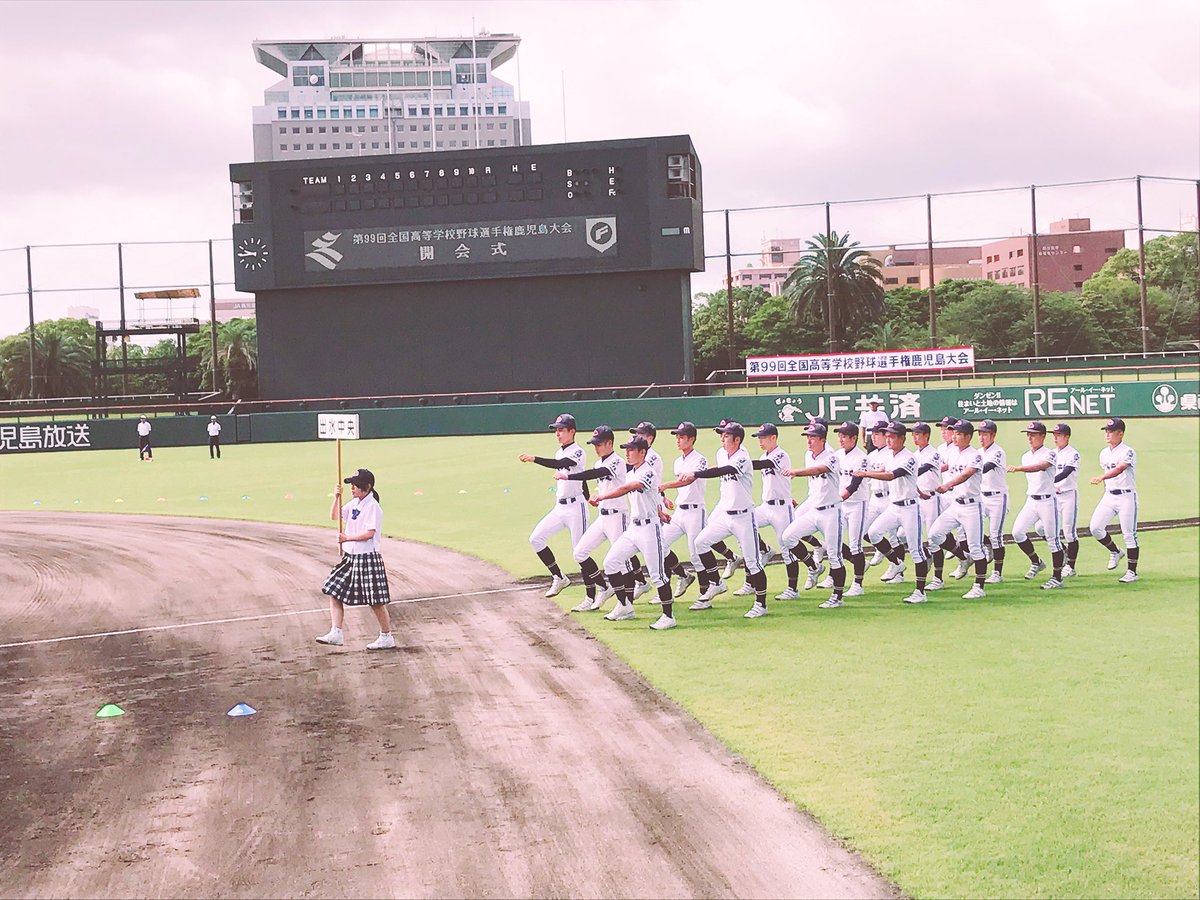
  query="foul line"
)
[{"x": 277, "y": 615}]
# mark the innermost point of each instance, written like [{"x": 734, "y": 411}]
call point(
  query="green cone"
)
[{"x": 109, "y": 711}]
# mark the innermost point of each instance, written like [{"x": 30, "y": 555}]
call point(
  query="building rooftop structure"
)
[{"x": 401, "y": 95}]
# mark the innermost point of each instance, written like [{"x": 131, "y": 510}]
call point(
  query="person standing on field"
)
[
  {"x": 144, "y": 450},
  {"x": 1040, "y": 507},
  {"x": 570, "y": 507},
  {"x": 359, "y": 578},
  {"x": 214, "y": 438},
  {"x": 1066, "y": 493},
  {"x": 1119, "y": 462}
]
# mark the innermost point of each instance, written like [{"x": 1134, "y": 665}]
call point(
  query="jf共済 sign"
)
[{"x": 883, "y": 362}]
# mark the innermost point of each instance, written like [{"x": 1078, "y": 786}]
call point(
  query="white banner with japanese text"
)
[{"x": 882, "y": 362}]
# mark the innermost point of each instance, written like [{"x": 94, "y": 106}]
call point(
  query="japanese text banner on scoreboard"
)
[{"x": 881, "y": 362}]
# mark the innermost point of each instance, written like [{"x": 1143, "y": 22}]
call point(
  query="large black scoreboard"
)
[{"x": 445, "y": 254}]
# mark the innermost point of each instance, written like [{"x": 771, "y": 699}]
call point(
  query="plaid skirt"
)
[{"x": 358, "y": 580}]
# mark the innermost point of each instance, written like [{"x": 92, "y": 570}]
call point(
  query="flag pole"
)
[{"x": 341, "y": 548}]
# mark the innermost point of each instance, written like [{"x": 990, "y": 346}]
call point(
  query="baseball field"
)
[{"x": 1028, "y": 744}]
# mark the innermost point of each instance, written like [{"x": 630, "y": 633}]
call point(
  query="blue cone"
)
[{"x": 242, "y": 709}]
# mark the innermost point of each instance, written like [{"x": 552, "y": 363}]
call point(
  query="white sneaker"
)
[
  {"x": 819, "y": 555},
  {"x": 603, "y": 595},
  {"x": 620, "y": 613},
  {"x": 916, "y": 597},
  {"x": 811, "y": 578},
  {"x": 757, "y": 611},
  {"x": 876, "y": 559},
  {"x": 964, "y": 566},
  {"x": 700, "y": 604},
  {"x": 771, "y": 556},
  {"x": 744, "y": 590},
  {"x": 592, "y": 605},
  {"x": 719, "y": 588},
  {"x": 385, "y": 641},
  {"x": 996, "y": 578},
  {"x": 895, "y": 579},
  {"x": 1068, "y": 571},
  {"x": 732, "y": 566},
  {"x": 684, "y": 583},
  {"x": 1052, "y": 584},
  {"x": 789, "y": 594},
  {"x": 832, "y": 603},
  {"x": 935, "y": 584},
  {"x": 826, "y": 582},
  {"x": 1128, "y": 578},
  {"x": 557, "y": 584},
  {"x": 333, "y": 637},
  {"x": 1114, "y": 558},
  {"x": 663, "y": 623},
  {"x": 974, "y": 593},
  {"x": 1034, "y": 569},
  {"x": 891, "y": 572},
  {"x": 855, "y": 590},
  {"x": 641, "y": 589},
  {"x": 584, "y": 605}
]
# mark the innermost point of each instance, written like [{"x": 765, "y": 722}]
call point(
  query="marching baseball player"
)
[
  {"x": 823, "y": 514},
  {"x": 1119, "y": 462},
  {"x": 877, "y": 502},
  {"x": 929, "y": 476},
  {"x": 734, "y": 515},
  {"x": 689, "y": 516},
  {"x": 609, "y": 472},
  {"x": 647, "y": 431},
  {"x": 993, "y": 487},
  {"x": 643, "y": 535},
  {"x": 1038, "y": 465},
  {"x": 947, "y": 450},
  {"x": 902, "y": 515},
  {"x": 570, "y": 510},
  {"x": 854, "y": 493},
  {"x": 1066, "y": 493},
  {"x": 964, "y": 509},
  {"x": 777, "y": 505}
]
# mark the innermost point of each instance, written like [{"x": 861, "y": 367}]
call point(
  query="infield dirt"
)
[{"x": 500, "y": 751}]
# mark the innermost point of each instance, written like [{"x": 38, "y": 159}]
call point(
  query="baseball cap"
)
[
  {"x": 363, "y": 479},
  {"x": 685, "y": 428},
  {"x": 766, "y": 429},
  {"x": 874, "y": 402},
  {"x": 921, "y": 428},
  {"x": 963, "y": 426},
  {"x": 143, "y": 418},
  {"x": 601, "y": 434},
  {"x": 564, "y": 421},
  {"x": 896, "y": 428},
  {"x": 637, "y": 443},
  {"x": 213, "y": 418},
  {"x": 644, "y": 428},
  {"x": 947, "y": 422},
  {"x": 1035, "y": 427},
  {"x": 847, "y": 428},
  {"x": 820, "y": 420},
  {"x": 731, "y": 427},
  {"x": 1113, "y": 424},
  {"x": 989, "y": 425},
  {"x": 1062, "y": 428},
  {"x": 879, "y": 426},
  {"x": 815, "y": 429}
]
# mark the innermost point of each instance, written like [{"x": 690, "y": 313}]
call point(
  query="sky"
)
[{"x": 120, "y": 119}]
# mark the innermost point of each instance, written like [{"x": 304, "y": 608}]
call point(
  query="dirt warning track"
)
[{"x": 500, "y": 751}]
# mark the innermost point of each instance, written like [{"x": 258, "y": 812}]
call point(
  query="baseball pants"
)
[
  {"x": 875, "y": 508},
  {"x": 825, "y": 519},
  {"x": 930, "y": 510},
  {"x": 608, "y": 526},
  {"x": 688, "y": 519},
  {"x": 1068, "y": 514},
  {"x": 571, "y": 516},
  {"x": 995, "y": 511},
  {"x": 854, "y": 524},
  {"x": 643, "y": 536},
  {"x": 900, "y": 515},
  {"x": 777, "y": 514},
  {"x": 1124, "y": 507},
  {"x": 740, "y": 524},
  {"x": 1035, "y": 510},
  {"x": 969, "y": 517}
]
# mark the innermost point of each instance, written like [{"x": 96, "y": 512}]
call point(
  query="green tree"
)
[
  {"x": 771, "y": 330},
  {"x": 833, "y": 266},
  {"x": 989, "y": 316},
  {"x": 710, "y": 327},
  {"x": 63, "y": 352},
  {"x": 237, "y": 342}
]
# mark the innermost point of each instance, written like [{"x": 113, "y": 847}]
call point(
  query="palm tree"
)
[
  {"x": 835, "y": 276},
  {"x": 62, "y": 365},
  {"x": 239, "y": 357}
]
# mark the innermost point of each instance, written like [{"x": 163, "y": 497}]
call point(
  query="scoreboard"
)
[{"x": 488, "y": 213}]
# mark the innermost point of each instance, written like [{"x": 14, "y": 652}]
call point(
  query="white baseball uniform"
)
[
  {"x": 1120, "y": 494},
  {"x": 877, "y": 460},
  {"x": 644, "y": 534},
  {"x": 734, "y": 514},
  {"x": 824, "y": 512},
  {"x": 902, "y": 513},
  {"x": 610, "y": 524},
  {"x": 570, "y": 509},
  {"x": 928, "y": 481},
  {"x": 964, "y": 509},
  {"x": 1039, "y": 500},
  {"x": 869, "y": 419},
  {"x": 689, "y": 516},
  {"x": 993, "y": 488},
  {"x": 776, "y": 508},
  {"x": 1066, "y": 491},
  {"x": 854, "y": 507}
]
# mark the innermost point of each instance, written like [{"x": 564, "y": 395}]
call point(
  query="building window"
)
[
  {"x": 281, "y": 112},
  {"x": 1021, "y": 252},
  {"x": 322, "y": 146},
  {"x": 491, "y": 143},
  {"x": 1076, "y": 249},
  {"x": 1010, "y": 254},
  {"x": 308, "y": 130},
  {"x": 295, "y": 112},
  {"x": 321, "y": 129},
  {"x": 374, "y": 112},
  {"x": 283, "y": 131},
  {"x": 504, "y": 126},
  {"x": 1078, "y": 267},
  {"x": 462, "y": 111},
  {"x": 503, "y": 143},
  {"x": 374, "y": 145},
  {"x": 1110, "y": 250},
  {"x": 308, "y": 146},
  {"x": 1078, "y": 285},
  {"x": 412, "y": 110},
  {"x": 412, "y": 127},
  {"x": 490, "y": 109},
  {"x": 439, "y": 126},
  {"x": 337, "y": 146},
  {"x": 360, "y": 112},
  {"x": 776, "y": 259},
  {"x": 449, "y": 111},
  {"x": 295, "y": 146},
  {"x": 891, "y": 281},
  {"x": 375, "y": 128},
  {"x": 424, "y": 110},
  {"x": 283, "y": 147},
  {"x": 491, "y": 126},
  {"x": 913, "y": 279},
  {"x": 425, "y": 127},
  {"x": 387, "y": 145},
  {"x": 335, "y": 113},
  {"x": 454, "y": 143},
  {"x": 503, "y": 109}
]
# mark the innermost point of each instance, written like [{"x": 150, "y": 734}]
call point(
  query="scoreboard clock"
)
[{"x": 557, "y": 209}]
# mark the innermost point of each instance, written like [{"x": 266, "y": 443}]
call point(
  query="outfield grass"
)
[{"x": 1029, "y": 744}]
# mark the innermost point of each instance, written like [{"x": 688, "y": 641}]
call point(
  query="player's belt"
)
[
  {"x": 992, "y": 493},
  {"x": 642, "y": 521},
  {"x": 1039, "y": 496},
  {"x": 777, "y": 503},
  {"x": 827, "y": 506},
  {"x": 610, "y": 512},
  {"x": 566, "y": 500},
  {"x": 1121, "y": 492},
  {"x": 903, "y": 502},
  {"x": 879, "y": 495},
  {"x": 965, "y": 501},
  {"x": 690, "y": 505},
  {"x": 737, "y": 512}
]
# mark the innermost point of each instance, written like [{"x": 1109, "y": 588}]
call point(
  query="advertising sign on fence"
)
[{"x": 884, "y": 362}]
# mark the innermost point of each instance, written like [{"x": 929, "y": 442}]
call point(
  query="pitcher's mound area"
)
[{"x": 499, "y": 752}]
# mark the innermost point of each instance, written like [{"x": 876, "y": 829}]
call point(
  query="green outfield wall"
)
[{"x": 1138, "y": 399}]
